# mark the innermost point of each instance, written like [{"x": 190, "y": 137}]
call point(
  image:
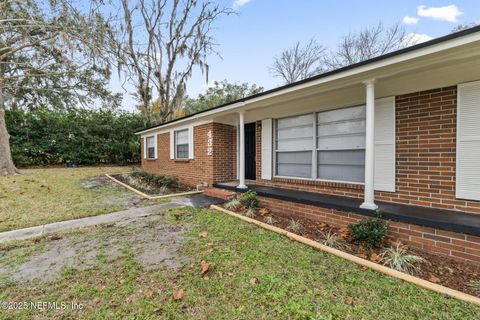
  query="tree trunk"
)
[{"x": 7, "y": 168}]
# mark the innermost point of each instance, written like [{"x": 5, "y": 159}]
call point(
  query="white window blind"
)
[
  {"x": 341, "y": 144},
  {"x": 293, "y": 146}
]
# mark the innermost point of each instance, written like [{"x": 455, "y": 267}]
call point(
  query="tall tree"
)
[
  {"x": 368, "y": 43},
  {"x": 160, "y": 42},
  {"x": 220, "y": 93},
  {"x": 49, "y": 55},
  {"x": 298, "y": 62}
]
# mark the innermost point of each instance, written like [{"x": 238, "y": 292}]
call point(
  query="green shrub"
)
[
  {"x": 249, "y": 199},
  {"x": 369, "y": 232},
  {"x": 45, "y": 137}
]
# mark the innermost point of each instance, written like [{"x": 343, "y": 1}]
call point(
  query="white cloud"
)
[
  {"x": 240, "y": 3},
  {"x": 415, "y": 38},
  {"x": 410, "y": 20},
  {"x": 447, "y": 13}
]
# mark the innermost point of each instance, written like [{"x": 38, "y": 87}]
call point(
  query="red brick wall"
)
[
  {"x": 425, "y": 156},
  {"x": 224, "y": 153},
  {"x": 203, "y": 168},
  {"x": 456, "y": 245}
]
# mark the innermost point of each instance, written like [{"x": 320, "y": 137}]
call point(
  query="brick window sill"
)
[{"x": 182, "y": 160}]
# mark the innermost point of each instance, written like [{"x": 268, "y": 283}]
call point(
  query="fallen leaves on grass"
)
[
  {"x": 178, "y": 295},
  {"x": 349, "y": 301},
  {"x": 148, "y": 293},
  {"x": 206, "y": 251},
  {"x": 206, "y": 267},
  {"x": 203, "y": 234},
  {"x": 254, "y": 281}
]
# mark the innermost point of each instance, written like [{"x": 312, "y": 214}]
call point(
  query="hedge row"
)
[{"x": 47, "y": 137}]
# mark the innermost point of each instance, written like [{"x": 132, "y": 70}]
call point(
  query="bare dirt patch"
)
[{"x": 154, "y": 243}]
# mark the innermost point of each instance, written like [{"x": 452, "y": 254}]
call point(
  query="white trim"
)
[
  {"x": 443, "y": 46},
  {"x": 172, "y": 144},
  {"x": 155, "y": 147},
  {"x": 162, "y": 130}
]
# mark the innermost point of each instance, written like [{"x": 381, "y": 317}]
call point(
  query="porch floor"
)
[{"x": 449, "y": 220}]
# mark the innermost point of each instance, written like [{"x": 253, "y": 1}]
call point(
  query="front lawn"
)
[
  {"x": 40, "y": 196},
  {"x": 251, "y": 273}
]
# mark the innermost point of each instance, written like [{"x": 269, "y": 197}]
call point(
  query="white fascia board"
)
[
  {"x": 457, "y": 42},
  {"x": 174, "y": 126}
]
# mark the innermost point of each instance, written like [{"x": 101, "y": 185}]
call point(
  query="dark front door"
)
[{"x": 250, "y": 151}]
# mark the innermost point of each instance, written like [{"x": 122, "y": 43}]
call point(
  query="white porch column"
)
[
  {"x": 241, "y": 126},
  {"x": 369, "y": 202}
]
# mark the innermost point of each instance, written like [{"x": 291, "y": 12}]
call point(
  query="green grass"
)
[
  {"x": 295, "y": 282},
  {"x": 40, "y": 196}
]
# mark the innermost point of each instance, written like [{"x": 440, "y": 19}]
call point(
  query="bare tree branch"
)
[{"x": 299, "y": 62}]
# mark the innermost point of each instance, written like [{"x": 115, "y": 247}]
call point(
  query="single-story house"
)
[{"x": 400, "y": 132}]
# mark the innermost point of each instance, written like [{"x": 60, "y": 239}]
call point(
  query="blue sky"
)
[{"x": 263, "y": 28}]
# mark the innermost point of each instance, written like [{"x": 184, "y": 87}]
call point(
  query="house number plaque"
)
[{"x": 209, "y": 143}]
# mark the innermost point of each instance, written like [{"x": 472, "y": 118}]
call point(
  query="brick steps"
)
[{"x": 219, "y": 193}]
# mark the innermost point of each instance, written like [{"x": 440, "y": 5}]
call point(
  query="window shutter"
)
[
  {"x": 155, "y": 137},
  {"x": 190, "y": 143},
  {"x": 468, "y": 141},
  {"x": 144, "y": 147},
  {"x": 172, "y": 144},
  {"x": 267, "y": 149},
  {"x": 385, "y": 144}
]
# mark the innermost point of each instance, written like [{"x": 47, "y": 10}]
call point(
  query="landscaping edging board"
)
[
  {"x": 366, "y": 263},
  {"x": 148, "y": 196}
]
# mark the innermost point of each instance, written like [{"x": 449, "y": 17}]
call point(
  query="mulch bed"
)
[
  {"x": 438, "y": 269},
  {"x": 150, "y": 189}
]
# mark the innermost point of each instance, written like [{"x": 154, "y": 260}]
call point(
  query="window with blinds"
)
[
  {"x": 293, "y": 146},
  {"x": 181, "y": 144},
  {"x": 327, "y": 145},
  {"x": 341, "y": 144},
  {"x": 150, "y": 145}
]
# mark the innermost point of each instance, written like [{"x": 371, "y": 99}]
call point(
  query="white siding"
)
[
  {"x": 267, "y": 149},
  {"x": 468, "y": 141},
  {"x": 385, "y": 144}
]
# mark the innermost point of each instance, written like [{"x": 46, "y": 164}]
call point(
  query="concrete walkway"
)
[{"x": 37, "y": 231}]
